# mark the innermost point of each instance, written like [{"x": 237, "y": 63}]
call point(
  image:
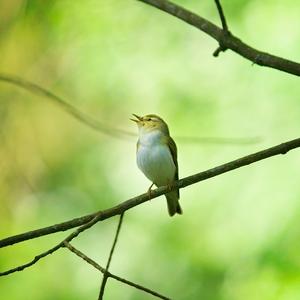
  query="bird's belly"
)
[{"x": 156, "y": 162}]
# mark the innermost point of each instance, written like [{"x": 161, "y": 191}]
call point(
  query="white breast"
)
[{"x": 155, "y": 159}]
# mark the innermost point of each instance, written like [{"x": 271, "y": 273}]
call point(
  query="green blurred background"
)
[{"x": 239, "y": 235}]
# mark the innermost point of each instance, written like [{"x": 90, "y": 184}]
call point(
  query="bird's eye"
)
[{"x": 148, "y": 119}]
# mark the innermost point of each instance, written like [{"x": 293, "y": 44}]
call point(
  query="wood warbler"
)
[{"x": 156, "y": 156}]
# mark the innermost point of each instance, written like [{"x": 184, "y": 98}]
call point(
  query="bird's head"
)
[{"x": 150, "y": 123}]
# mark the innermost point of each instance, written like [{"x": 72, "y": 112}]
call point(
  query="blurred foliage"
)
[{"x": 239, "y": 235}]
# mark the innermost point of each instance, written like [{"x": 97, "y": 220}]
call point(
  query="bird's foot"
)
[
  {"x": 170, "y": 185},
  {"x": 149, "y": 191}
]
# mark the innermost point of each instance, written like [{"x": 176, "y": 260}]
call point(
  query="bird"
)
[{"x": 156, "y": 157}]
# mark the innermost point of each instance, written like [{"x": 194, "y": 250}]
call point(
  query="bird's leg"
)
[
  {"x": 170, "y": 185},
  {"x": 149, "y": 191}
]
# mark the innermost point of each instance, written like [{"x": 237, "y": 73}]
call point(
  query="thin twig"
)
[
  {"x": 105, "y": 275},
  {"x": 126, "y": 205},
  {"x": 84, "y": 257},
  {"x": 222, "y": 16},
  {"x": 69, "y": 238},
  {"x": 102, "y": 270},
  {"x": 32, "y": 262},
  {"x": 70, "y": 109},
  {"x": 219, "y": 140},
  {"x": 222, "y": 47},
  {"x": 229, "y": 41},
  {"x": 105, "y": 128}
]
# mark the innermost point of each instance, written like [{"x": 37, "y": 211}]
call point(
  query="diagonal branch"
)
[
  {"x": 70, "y": 109},
  {"x": 126, "y": 205},
  {"x": 106, "y": 273},
  {"x": 105, "y": 128},
  {"x": 32, "y": 262},
  {"x": 102, "y": 270},
  {"x": 229, "y": 41},
  {"x": 69, "y": 238}
]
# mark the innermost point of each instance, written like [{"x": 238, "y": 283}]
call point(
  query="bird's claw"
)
[
  {"x": 149, "y": 191},
  {"x": 170, "y": 186}
]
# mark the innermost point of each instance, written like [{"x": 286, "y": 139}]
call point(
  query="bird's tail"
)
[{"x": 173, "y": 203}]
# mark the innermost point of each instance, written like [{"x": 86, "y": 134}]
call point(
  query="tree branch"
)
[
  {"x": 106, "y": 273},
  {"x": 32, "y": 262},
  {"x": 105, "y": 128},
  {"x": 221, "y": 47},
  {"x": 228, "y": 40},
  {"x": 102, "y": 270},
  {"x": 126, "y": 205},
  {"x": 70, "y": 109},
  {"x": 69, "y": 238},
  {"x": 65, "y": 243}
]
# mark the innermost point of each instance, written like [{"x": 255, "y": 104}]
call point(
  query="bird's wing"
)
[{"x": 173, "y": 150}]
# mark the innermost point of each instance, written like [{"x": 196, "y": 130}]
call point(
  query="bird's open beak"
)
[{"x": 138, "y": 118}]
